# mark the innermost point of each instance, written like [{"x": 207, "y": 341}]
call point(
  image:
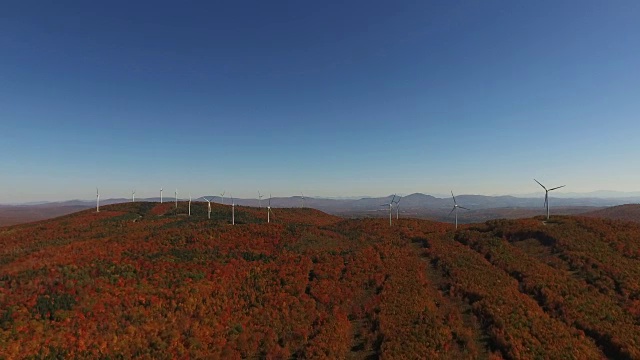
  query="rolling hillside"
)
[
  {"x": 629, "y": 212},
  {"x": 19, "y": 214},
  {"x": 146, "y": 280}
]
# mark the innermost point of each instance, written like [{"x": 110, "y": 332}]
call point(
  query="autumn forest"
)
[{"x": 144, "y": 280}]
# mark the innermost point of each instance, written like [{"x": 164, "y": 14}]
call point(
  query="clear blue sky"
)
[{"x": 328, "y": 98}]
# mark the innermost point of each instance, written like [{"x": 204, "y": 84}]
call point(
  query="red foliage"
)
[{"x": 145, "y": 280}]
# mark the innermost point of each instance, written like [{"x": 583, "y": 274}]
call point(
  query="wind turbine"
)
[
  {"x": 269, "y": 210},
  {"x": 259, "y": 200},
  {"x": 133, "y": 195},
  {"x": 546, "y": 195},
  {"x": 398, "y": 207},
  {"x": 189, "y": 204},
  {"x": 97, "y": 200},
  {"x": 390, "y": 204},
  {"x": 208, "y": 207},
  {"x": 176, "y": 196},
  {"x": 233, "y": 211},
  {"x": 222, "y": 196},
  {"x": 302, "y": 199},
  {"x": 160, "y": 195},
  {"x": 455, "y": 208}
]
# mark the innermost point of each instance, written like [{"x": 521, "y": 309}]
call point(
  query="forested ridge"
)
[{"x": 145, "y": 280}]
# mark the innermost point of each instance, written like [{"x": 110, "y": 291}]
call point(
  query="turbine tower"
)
[
  {"x": 259, "y": 200},
  {"x": 390, "y": 205},
  {"x": 398, "y": 207},
  {"x": 269, "y": 210},
  {"x": 97, "y": 200},
  {"x": 302, "y": 199},
  {"x": 189, "y": 204},
  {"x": 133, "y": 195},
  {"x": 546, "y": 195},
  {"x": 455, "y": 208},
  {"x": 160, "y": 195},
  {"x": 208, "y": 207},
  {"x": 233, "y": 211},
  {"x": 176, "y": 196}
]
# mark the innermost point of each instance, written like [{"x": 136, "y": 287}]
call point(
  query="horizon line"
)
[{"x": 583, "y": 195}]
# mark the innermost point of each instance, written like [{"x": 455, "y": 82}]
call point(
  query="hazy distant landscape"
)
[
  {"x": 417, "y": 205},
  {"x": 18, "y": 214}
]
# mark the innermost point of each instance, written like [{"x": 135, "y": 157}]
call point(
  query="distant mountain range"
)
[
  {"x": 413, "y": 201},
  {"x": 604, "y": 194},
  {"x": 416, "y": 205}
]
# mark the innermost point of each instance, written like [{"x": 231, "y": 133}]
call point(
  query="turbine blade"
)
[
  {"x": 540, "y": 184},
  {"x": 462, "y": 207},
  {"x": 557, "y": 187},
  {"x": 454, "y": 198},
  {"x": 452, "y": 210}
]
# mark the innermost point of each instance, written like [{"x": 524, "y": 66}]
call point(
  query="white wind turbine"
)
[
  {"x": 189, "y": 204},
  {"x": 233, "y": 211},
  {"x": 259, "y": 200},
  {"x": 546, "y": 195},
  {"x": 269, "y": 210},
  {"x": 160, "y": 195},
  {"x": 222, "y": 196},
  {"x": 455, "y": 208},
  {"x": 302, "y": 199},
  {"x": 398, "y": 207},
  {"x": 208, "y": 207},
  {"x": 133, "y": 195},
  {"x": 390, "y": 205},
  {"x": 97, "y": 200}
]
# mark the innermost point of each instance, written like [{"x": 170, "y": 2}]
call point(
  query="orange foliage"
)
[{"x": 145, "y": 280}]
